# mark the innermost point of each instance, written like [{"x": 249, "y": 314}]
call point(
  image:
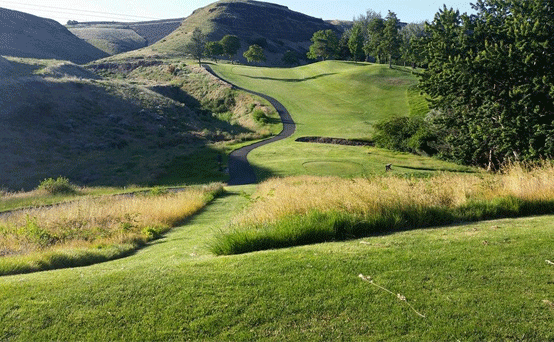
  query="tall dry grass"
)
[
  {"x": 305, "y": 209},
  {"x": 93, "y": 222},
  {"x": 282, "y": 197}
]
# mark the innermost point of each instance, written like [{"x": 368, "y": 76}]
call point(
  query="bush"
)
[
  {"x": 260, "y": 116},
  {"x": 59, "y": 186},
  {"x": 405, "y": 134}
]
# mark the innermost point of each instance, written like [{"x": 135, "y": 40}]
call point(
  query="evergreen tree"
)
[
  {"x": 197, "y": 45},
  {"x": 391, "y": 37},
  {"x": 374, "y": 45},
  {"x": 491, "y": 81},
  {"x": 325, "y": 45},
  {"x": 356, "y": 42}
]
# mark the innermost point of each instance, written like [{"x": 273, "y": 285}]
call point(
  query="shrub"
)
[
  {"x": 260, "y": 116},
  {"x": 405, "y": 134},
  {"x": 58, "y": 186}
]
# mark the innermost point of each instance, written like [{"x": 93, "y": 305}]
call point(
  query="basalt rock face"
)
[
  {"x": 25, "y": 35},
  {"x": 274, "y": 22}
]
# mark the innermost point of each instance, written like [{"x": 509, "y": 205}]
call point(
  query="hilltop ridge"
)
[
  {"x": 26, "y": 35},
  {"x": 275, "y": 26}
]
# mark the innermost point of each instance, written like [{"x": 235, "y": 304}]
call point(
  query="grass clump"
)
[
  {"x": 90, "y": 229},
  {"x": 58, "y": 186},
  {"x": 303, "y": 210}
]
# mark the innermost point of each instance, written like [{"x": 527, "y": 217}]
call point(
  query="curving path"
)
[{"x": 240, "y": 171}]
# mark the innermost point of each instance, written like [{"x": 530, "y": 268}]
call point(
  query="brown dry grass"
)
[
  {"x": 276, "y": 199},
  {"x": 90, "y": 222}
]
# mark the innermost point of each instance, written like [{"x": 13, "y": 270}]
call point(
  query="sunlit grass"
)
[
  {"x": 340, "y": 100},
  {"x": 307, "y": 209},
  {"x": 107, "y": 222}
]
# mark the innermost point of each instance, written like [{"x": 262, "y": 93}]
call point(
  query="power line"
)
[{"x": 62, "y": 10}]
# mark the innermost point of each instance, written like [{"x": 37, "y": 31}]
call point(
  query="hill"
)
[
  {"x": 25, "y": 35},
  {"x": 5, "y": 66},
  {"x": 60, "y": 119},
  {"x": 114, "y": 37},
  {"x": 275, "y": 27}
]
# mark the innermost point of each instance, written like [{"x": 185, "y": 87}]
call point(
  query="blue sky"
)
[{"x": 139, "y": 10}]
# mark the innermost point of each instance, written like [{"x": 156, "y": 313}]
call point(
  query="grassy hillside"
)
[
  {"x": 281, "y": 28},
  {"x": 114, "y": 38},
  {"x": 59, "y": 119},
  {"x": 340, "y": 100},
  {"x": 25, "y": 35},
  {"x": 111, "y": 40}
]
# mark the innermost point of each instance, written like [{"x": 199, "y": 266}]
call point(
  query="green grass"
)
[
  {"x": 334, "y": 99},
  {"x": 485, "y": 281},
  {"x": 318, "y": 227}
]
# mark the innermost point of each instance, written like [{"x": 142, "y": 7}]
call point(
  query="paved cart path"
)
[{"x": 240, "y": 171}]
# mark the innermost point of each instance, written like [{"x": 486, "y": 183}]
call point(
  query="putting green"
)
[{"x": 325, "y": 168}]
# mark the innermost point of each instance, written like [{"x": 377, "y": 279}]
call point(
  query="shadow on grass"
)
[
  {"x": 291, "y": 79},
  {"x": 433, "y": 169}
]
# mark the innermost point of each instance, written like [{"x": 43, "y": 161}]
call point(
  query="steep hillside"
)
[
  {"x": 114, "y": 38},
  {"x": 60, "y": 119},
  {"x": 110, "y": 39},
  {"x": 25, "y": 35},
  {"x": 154, "y": 31},
  {"x": 277, "y": 27},
  {"x": 5, "y": 67}
]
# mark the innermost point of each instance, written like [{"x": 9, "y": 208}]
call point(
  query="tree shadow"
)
[
  {"x": 433, "y": 169},
  {"x": 177, "y": 94},
  {"x": 292, "y": 80}
]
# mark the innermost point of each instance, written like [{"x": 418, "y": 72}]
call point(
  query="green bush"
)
[
  {"x": 260, "y": 116},
  {"x": 405, "y": 134},
  {"x": 58, "y": 186}
]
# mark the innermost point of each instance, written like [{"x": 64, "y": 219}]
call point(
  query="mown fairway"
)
[
  {"x": 339, "y": 100},
  {"x": 486, "y": 281}
]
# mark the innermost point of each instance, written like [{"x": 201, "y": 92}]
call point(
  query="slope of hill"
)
[
  {"x": 5, "y": 66},
  {"x": 274, "y": 26},
  {"x": 25, "y": 35},
  {"x": 110, "y": 39},
  {"x": 60, "y": 119},
  {"x": 114, "y": 37}
]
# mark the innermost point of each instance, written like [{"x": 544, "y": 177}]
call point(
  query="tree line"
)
[
  {"x": 491, "y": 86},
  {"x": 371, "y": 38},
  {"x": 229, "y": 45}
]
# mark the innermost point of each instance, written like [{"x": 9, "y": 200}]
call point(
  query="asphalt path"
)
[{"x": 240, "y": 170}]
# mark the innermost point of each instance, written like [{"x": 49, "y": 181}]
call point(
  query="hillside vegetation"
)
[
  {"x": 59, "y": 119},
  {"x": 25, "y": 35}
]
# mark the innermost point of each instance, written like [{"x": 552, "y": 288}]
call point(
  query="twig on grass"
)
[
  {"x": 549, "y": 262},
  {"x": 398, "y": 295}
]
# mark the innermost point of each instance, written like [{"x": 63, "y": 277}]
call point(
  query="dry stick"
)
[
  {"x": 398, "y": 295},
  {"x": 549, "y": 262}
]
